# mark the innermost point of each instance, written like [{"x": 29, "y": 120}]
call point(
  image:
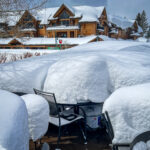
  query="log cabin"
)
[{"x": 67, "y": 22}]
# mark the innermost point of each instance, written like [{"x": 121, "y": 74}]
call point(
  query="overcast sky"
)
[{"x": 124, "y": 8}]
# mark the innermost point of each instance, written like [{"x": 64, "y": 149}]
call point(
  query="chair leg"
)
[
  {"x": 83, "y": 133},
  {"x": 59, "y": 136},
  {"x": 35, "y": 145}
]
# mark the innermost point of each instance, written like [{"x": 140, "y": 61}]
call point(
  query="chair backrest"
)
[
  {"x": 50, "y": 97},
  {"x": 144, "y": 137},
  {"x": 109, "y": 125}
]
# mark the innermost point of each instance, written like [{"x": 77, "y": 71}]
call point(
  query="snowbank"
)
[
  {"x": 38, "y": 115},
  {"x": 91, "y": 71},
  {"x": 13, "y": 122},
  {"x": 129, "y": 111}
]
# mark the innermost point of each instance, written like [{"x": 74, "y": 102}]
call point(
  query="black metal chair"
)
[
  {"x": 144, "y": 137},
  {"x": 61, "y": 118},
  {"x": 109, "y": 130}
]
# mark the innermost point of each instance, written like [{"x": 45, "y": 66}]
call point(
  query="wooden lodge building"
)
[{"x": 67, "y": 22}]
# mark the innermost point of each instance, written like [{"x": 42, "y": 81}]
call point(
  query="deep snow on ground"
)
[
  {"x": 128, "y": 109},
  {"x": 13, "y": 122},
  {"x": 91, "y": 71},
  {"x": 38, "y": 115}
]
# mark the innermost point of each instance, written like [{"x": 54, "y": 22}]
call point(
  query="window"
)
[
  {"x": 65, "y": 22},
  {"x": 27, "y": 18},
  {"x": 41, "y": 26},
  {"x": 64, "y": 15},
  {"x": 28, "y": 25},
  {"x": 62, "y": 34},
  {"x": 72, "y": 34},
  {"x": 2, "y": 25},
  {"x": 54, "y": 24},
  {"x": 100, "y": 27}
]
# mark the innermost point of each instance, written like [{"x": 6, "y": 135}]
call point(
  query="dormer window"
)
[
  {"x": 64, "y": 15},
  {"x": 28, "y": 18}
]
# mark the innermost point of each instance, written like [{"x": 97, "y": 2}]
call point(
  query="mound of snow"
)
[
  {"x": 78, "y": 79},
  {"x": 129, "y": 111},
  {"x": 92, "y": 71},
  {"x": 14, "y": 133},
  {"x": 38, "y": 115},
  {"x": 142, "y": 39}
]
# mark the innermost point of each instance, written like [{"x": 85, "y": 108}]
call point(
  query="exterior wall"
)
[
  {"x": 42, "y": 32},
  {"x": 53, "y": 33},
  {"x": 88, "y": 28}
]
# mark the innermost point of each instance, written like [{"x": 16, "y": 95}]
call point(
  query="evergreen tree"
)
[
  {"x": 138, "y": 19},
  {"x": 144, "y": 23},
  {"x": 148, "y": 33}
]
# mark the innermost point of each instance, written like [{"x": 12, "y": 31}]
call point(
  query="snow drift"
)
[
  {"x": 129, "y": 111},
  {"x": 14, "y": 134},
  {"x": 88, "y": 72},
  {"x": 38, "y": 115}
]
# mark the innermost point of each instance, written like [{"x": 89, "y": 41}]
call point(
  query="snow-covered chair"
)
[
  {"x": 109, "y": 130},
  {"x": 61, "y": 118},
  {"x": 143, "y": 137}
]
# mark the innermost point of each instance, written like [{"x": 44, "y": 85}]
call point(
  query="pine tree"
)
[
  {"x": 148, "y": 33},
  {"x": 138, "y": 19},
  {"x": 144, "y": 23}
]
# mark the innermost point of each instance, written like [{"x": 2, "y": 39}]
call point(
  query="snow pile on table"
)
[
  {"x": 14, "y": 133},
  {"x": 77, "y": 78},
  {"x": 38, "y": 115},
  {"x": 129, "y": 111},
  {"x": 97, "y": 68}
]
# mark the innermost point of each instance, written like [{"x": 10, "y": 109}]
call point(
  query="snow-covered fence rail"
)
[
  {"x": 8, "y": 55},
  {"x": 4, "y": 57}
]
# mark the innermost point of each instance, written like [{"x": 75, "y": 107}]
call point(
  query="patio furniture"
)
[
  {"x": 109, "y": 130},
  {"x": 61, "y": 118}
]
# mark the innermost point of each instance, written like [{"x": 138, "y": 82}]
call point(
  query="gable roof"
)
[
  {"x": 86, "y": 13},
  {"x": 11, "y": 18},
  {"x": 70, "y": 9}
]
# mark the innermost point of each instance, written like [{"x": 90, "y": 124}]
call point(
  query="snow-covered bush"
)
[
  {"x": 38, "y": 115},
  {"x": 129, "y": 111},
  {"x": 14, "y": 133}
]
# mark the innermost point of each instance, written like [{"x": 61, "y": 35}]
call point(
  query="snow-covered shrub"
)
[
  {"x": 38, "y": 115},
  {"x": 14, "y": 133}
]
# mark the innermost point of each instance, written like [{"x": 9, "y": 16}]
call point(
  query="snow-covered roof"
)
[
  {"x": 28, "y": 29},
  {"x": 124, "y": 23},
  {"x": 62, "y": 27},
  {"x": 88, "y": 13},
  {"x": 140, "y": 30},
  {"x": 44, "y": 15},
  {"x": 11, "y": 18},
  {"x": 135, "y": 34},
  {"x": 114, "y": 31},
  {"x": 48, "y": 41}
]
